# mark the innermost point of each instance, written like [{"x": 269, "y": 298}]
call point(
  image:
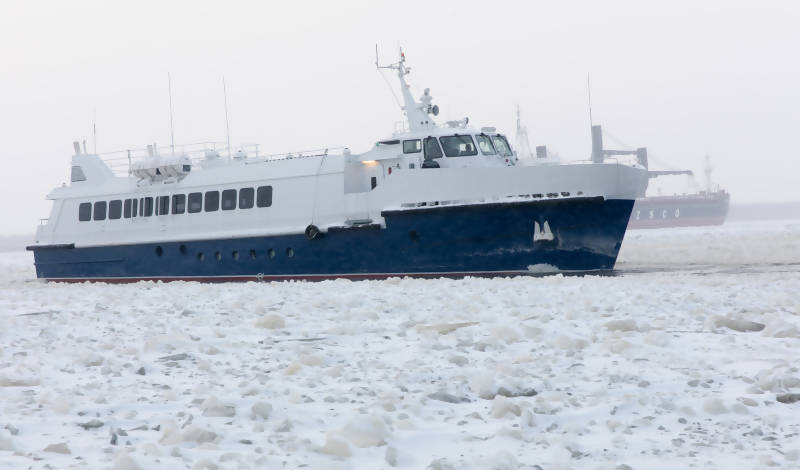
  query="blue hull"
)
[{"x": 482, "y": 239}]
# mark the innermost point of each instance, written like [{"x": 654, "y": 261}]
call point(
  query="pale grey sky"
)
[{"x": 682, "y": 78}]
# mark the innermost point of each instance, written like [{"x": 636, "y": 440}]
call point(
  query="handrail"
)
[{"x": 120, "y": 162}]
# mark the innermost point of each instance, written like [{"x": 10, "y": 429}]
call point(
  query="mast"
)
[
  {"x": 418, "y": 114},
  {"x": 708, "y": 169}
]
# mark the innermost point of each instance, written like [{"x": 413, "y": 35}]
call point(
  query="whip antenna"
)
[
  {"x": 171, "y": 126},
  {"x": 589, "y": 89},
  {"x": 379, "y": 67},
  {"x": 94, "y": 129},
  {"x": 227, "y": 125}
]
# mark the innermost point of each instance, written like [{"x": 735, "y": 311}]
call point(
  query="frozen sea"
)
[{"x": 687, "y": 357}]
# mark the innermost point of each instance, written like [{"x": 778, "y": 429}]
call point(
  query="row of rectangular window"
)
[
  {"x": 197, "y": 202},
  {"x": 458, "y": 146}
]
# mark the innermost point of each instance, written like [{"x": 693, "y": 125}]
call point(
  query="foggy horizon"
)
[{"x": 681, "y": 79}]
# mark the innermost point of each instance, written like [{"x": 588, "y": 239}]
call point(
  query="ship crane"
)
[{"x": 599, "y": 153}]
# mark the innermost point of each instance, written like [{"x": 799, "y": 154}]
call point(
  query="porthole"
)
[
  {"x": 182, "y": 249},
  {"x": 159, "y": 251},
  {"x": 235, "y": 255},
  {"x": 271, "y": 253},
  {"x": 252, "y": 254},
  {"x": 201, "y": 256},
  {"x": 289, "y": 252},
  {"x": 218, "y": 255}
]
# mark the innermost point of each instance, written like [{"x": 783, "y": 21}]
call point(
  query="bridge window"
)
[
  {"x": 85, "y": 211},
  {"x": 126, "y": 209},
  {"x": 115, "y": 209},
  {"x": 229, "y": 199},
  {"x": 134, "y": 207},
  {"x": 163, "y": 205},
  {"x": 246, "y": 198},
  {"x": 212, "y": 201},
  {"x": 99, "y": 210},
  {"x": 178, "y": 203},
  {"x": 148, "y": 206},
  {"x": 501, "y": 144},
  {"x": 485, "y": 144},
  {"x": 458, "y": 146},
  {"x": 432, "y": 149},
  {"x": 264, "y": 196},
  {"x": 412, "y": 146},
  {"x": 195, "y": 202}
]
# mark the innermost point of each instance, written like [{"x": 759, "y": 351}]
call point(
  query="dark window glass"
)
[
  {"x": 264, "y": 196},
  {"x": 134, "y": 207},
  {"x": 412, "y": 146},
  {"x": 163, "y": 205},
  {"x": 246, "y": 198},
  {"x": 373, "y": 182},
  {"x": 212, "y": 201},
  {"x": 99, "y": 210},
  {"x": 432, "y": 149},
  {"x": 115, "y": 209},
  {"x": 458, "y": 146},
  {"x": 178, "y": 203},
  {"x": 148, "y": 206},
  {"x": 195, "y": 202},
  {"x": 126, "y": 209},
  {"x": 228, "y": 199},
  {"x": 85, "y": 211},
  {"x": 141, "y": 207}
]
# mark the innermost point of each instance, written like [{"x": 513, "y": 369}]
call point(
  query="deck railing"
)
[{"x": 121, "y": 161}]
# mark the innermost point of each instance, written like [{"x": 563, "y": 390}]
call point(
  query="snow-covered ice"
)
[{"x": 687, "y": 358}]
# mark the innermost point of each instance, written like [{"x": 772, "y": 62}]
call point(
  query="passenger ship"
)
[{"x": 430, "y": 200}]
